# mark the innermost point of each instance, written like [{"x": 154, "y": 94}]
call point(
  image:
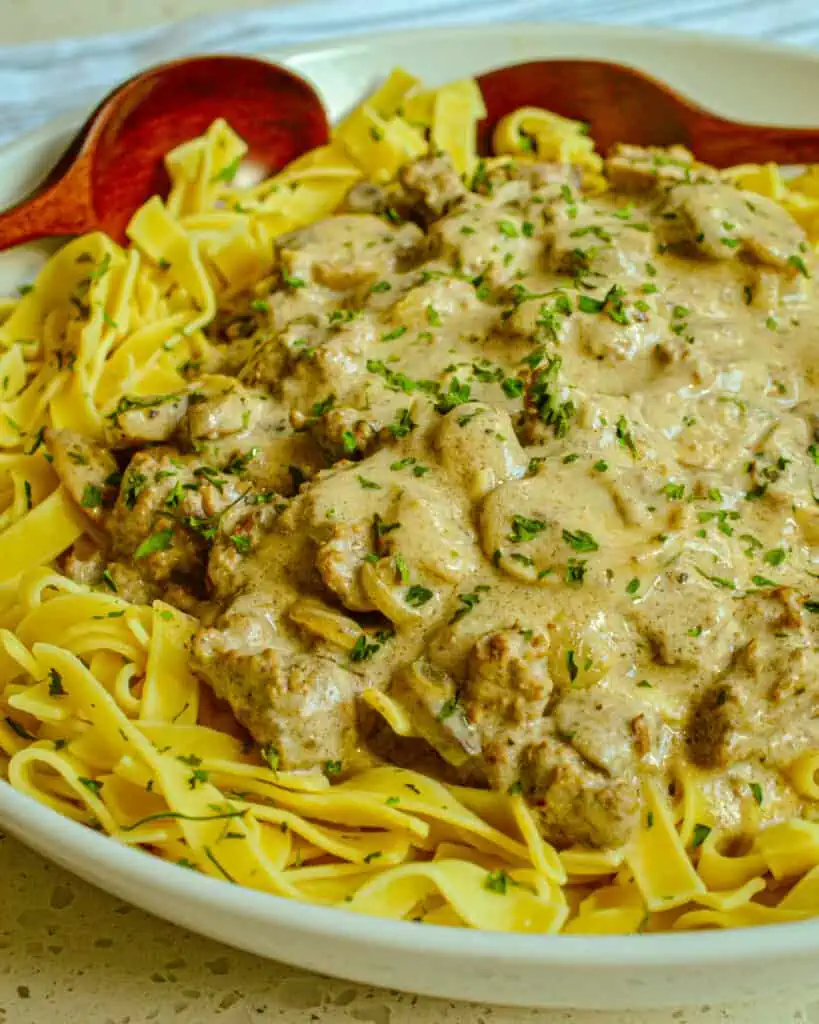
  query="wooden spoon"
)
[
  {"x": 115, "y": 163},
  {"x": 621, "y": 104}
]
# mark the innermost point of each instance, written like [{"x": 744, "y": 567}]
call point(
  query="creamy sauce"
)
[{"x": 555, "y": 459}]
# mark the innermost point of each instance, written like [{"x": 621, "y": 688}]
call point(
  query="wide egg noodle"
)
[
  {"x": 662, "y": 869},
  {"x": 170, "y": 692},
  {"x": 40, "y": 535},
  {"x": 468, "y": 889}
]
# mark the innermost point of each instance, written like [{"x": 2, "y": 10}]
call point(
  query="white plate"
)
[{"x": 739, "y": 79}]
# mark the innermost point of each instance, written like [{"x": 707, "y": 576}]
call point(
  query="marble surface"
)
[
  {"x": 25, "y": 20},
  {"x": 70, "y": 954}
]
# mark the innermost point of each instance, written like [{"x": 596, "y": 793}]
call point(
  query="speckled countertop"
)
[{"x": 70, "y": 954}]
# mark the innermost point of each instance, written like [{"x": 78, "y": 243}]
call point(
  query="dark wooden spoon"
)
[
  {"x": 621, "y": 104},
  {"x": 115, "y": 163}
]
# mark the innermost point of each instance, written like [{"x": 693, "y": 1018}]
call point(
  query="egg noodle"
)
[{"x": 99, "y": 715}]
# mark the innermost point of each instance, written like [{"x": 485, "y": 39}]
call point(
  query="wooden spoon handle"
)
[
  {"x": 61, "y": 209},
  {"x": 723, "y": 143}
]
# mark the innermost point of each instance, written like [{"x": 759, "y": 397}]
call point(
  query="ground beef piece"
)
[
  {"x": 87, "y": 471},
  {"x": 345, "y": 251},
  {"x": 301, "y": 705},
  {"x": 645, "y": 168},
  {"x": 576, "y": 804},
  {"x": 507, "y": 689},
  {"x": 138, "y": 421},
  {"x": 433, "y": 185},
  {"x": 339, "y": 560},
  {"x": 167, "y": 513}
]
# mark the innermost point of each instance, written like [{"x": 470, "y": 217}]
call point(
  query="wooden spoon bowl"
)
[
  {"x": 116, "y": 161},
  {"x": 621, "y": 104}
]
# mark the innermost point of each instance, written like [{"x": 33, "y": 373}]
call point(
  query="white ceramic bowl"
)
[{"x": 753, "y": 82}]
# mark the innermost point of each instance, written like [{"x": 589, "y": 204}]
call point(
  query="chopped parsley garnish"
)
[
  {"x": 368, "y": 485},
  {"x": 799, "y": 264},
  {"x": 403, "y": 425},
  {"x": 417, "y": 596},
  {"x": 318, "y": 409},
  {"x": 174, "y": 498},
  {"x": 91, "y": 497},
  {"x": 398, "y": 381},
  {"x": 701, "y": 833},
  {"x": 24, "y": 734},
  {"x": 718, "y": 581},
  {"x": 580, "y": 540},
  {"x": 380, "y": 528},
  {"x": 55, "y": 684},
  {"x": 239, "y": 463},
  {"x": 674, "y": 491},
  {"x": 456, "y": 394},
  {"x": 545, "y": 396},
  {"x": 756, "y": 789},
  {"x": 39, "y": 440},
  {"x": 448, "y": 709},
  {"x": 497, "y": 881},
  {"x": 197, "y": 778},
  {"x": 586, "y": 304},
  {"x": 575, "y": 571},
  {"x": 159, "y": 541},
  {"x": 468, "y": 602},
  {"x": 270, "y": 753},
  {"x": 524, "y": 529},
  {"x": 624, "y": 435},
  {"x": 228, "y": 173},
  {"x": 633, "y": 586},
  {"x": 512, "y": 387}
]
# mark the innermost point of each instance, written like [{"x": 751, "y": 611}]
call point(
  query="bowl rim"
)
[
  {"x": 677, "y": 949},
  {"x": 25, "y": 817}
]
